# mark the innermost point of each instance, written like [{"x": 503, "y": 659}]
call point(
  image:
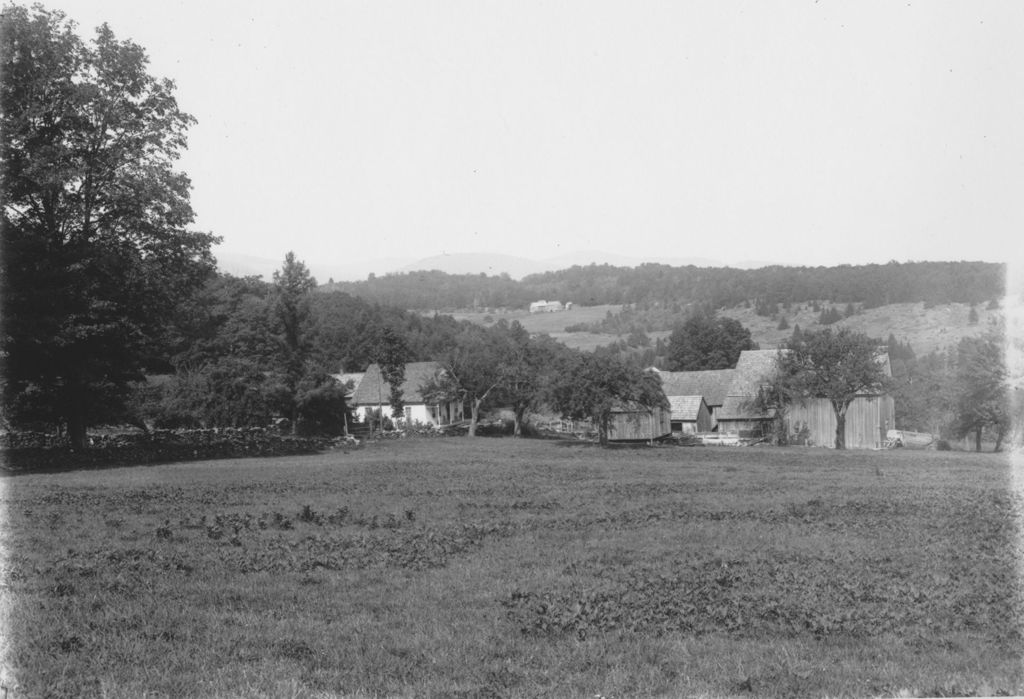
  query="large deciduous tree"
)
[
  {"x": 472, "y": 371},
  {"x": 837, "y": 366},
  {"x": 706, "y": 342},
  {"x": 593, "y": 385},
  {"x": 982, "y": 395},
  {"x": 96, "y": 250}
]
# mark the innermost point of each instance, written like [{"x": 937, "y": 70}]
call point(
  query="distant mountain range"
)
[{"x": 491, "y": 264}]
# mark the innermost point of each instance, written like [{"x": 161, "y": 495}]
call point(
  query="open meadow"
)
[{"x": 501, "y": 567}]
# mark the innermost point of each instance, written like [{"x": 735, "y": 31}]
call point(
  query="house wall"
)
[
  {"x": 867, "y": 420},
  {"x": 420, "y": 412},
  {"x": 639, "y": 425}
]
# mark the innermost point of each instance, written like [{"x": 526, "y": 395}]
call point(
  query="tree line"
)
[{"x": 674, "y": 289}]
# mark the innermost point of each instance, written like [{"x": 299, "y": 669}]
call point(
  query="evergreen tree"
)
[{"x": 290, "y": 315}]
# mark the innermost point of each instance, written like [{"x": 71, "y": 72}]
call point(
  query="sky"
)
[{"x": 360, "y": 134}]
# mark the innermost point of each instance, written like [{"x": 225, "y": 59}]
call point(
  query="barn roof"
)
[
  {"x": 374, "y": 389},
  {"x": 712, "y": 384},
  {"x": 753, "y": 369},
  {"x": 685, "y": 407}
]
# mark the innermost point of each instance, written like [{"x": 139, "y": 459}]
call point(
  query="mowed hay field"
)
[{"x": 501, "y": 567}]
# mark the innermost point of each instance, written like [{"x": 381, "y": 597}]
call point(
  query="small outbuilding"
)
[
  {"x": 632, "y": 422},
  {"x": 712, "y": 385},
  {"x": 690, "y": 414}
]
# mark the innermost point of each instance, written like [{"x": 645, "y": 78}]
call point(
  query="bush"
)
[{"x": 161, "y": 446}]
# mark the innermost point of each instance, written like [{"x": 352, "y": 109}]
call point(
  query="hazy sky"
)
[{"x": 796, "y": 132}]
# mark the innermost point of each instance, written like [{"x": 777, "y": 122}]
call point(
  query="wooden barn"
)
[
  {"x": 813, "y": 422},
  {"x": 637, "y": 423},
  {"x": 690, "y": 414},
  {"x": 868, "y": 419},
  {"x": 712, "y": 385},
  {"x": 738, "y": 414}
]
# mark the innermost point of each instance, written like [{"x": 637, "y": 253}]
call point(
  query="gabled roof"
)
[
  {"x": 344, "y": 379},
  {"x": 685, "y": 407},
  {"x": 753, "y": 369},
  {"x": 373, "y": 389},
  {"x": 712, "y": 384}
]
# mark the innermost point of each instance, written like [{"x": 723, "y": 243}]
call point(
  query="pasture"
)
[{"x": 501, "y": 567}]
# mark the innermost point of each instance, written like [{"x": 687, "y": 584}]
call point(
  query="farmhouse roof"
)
[
  {"x": 344, "y": 379},
  {"x": 712, "y": 384},
  {"x": 374, "y": 389},
  {"x": 685, "y": 407}
]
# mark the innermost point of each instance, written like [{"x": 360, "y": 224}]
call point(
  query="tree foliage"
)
[
  {"x": 707, "y": 342},
  {"x": 391, "y": 354},
  {"x": 292, "y": 331},
  {"x": 662, "y": 291},
  {"x": 982, "y": 396},
  {"x": 592, "y": 386},
  {"x": 96, "y": 247}
]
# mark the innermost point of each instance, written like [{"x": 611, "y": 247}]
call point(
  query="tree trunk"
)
[
  {"x": 519, "y": 412},
  {"x": 977, "y": 439},
  {"x": 840, "y": 427},
  {"x": 474, "y": 410},
  {"x": 76, "y": 414}
]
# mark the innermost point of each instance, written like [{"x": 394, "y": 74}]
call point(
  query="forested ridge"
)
[{"x": 707, "y": 287}]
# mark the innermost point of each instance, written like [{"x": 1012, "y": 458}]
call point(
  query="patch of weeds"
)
[
  {"x": 62, "y": 589},
  {"x": 295, "y": 649},
  {"x": 165, "y": 532},
  {"x": 309, "y": 516},
  {"x": 70, "y": 644},
  {"x": 339, "y": 516}
]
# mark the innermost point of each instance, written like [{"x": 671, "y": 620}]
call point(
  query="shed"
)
[
  {"x": 690, "y": 414},
  {"x": 632, "y": 422},
  {"x": 712, "y": 385}
]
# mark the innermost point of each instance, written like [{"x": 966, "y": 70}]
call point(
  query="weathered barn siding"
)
[
  {"x": 639, "y": 424},
  {"x": 867, "y": 420},
  {"x": 690, "y": 415},
  {"x": 747, "y": 427}
]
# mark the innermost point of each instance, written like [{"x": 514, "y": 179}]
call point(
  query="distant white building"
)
[{"x": 543, "y": 306}]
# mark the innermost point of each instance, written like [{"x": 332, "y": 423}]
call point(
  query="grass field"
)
[{"x": 500, "y": 567}]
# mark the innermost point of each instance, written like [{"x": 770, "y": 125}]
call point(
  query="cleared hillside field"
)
[
  {"x": 925, "y": 329},
  {"x": 500, "y": 567}
]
